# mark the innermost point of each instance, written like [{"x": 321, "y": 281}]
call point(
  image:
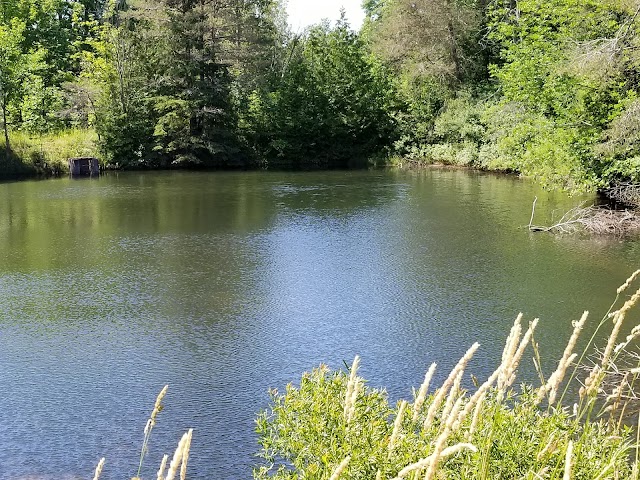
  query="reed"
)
[
  {"x": 99, "y": 468},
  {"x": 181, "y": 455}
]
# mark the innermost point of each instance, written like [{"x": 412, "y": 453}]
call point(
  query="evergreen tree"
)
[{"x": 329, "y": 107}]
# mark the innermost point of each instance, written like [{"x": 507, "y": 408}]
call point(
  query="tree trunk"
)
[
  {"x": 454, "y": 51},
  {"x": 4, "y": 123},
  {"x": 453, "y": 41}
]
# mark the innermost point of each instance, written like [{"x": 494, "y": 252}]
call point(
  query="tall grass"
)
[
  {"x": 47, "y": 153},
  {"x": 180, "y": 457},
  {"x": 333, "y": 425}
]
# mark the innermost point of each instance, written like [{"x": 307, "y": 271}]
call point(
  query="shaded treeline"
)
[{"x": 545, "y": 88}]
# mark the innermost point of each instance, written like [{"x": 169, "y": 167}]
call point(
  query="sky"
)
[{"x": 307, "y": 12}]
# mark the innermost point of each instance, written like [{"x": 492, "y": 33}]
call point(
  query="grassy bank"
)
[
  {"x": 334, "y": 426},
  {"x": 47, "y": 154}
]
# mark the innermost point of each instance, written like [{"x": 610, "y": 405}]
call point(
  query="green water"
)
[{"x": 225, "y": 284}]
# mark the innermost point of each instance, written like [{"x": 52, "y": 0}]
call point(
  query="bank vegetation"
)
[
  {"x": 549, "y": 90},
  {"x": 576, "y": 422}
]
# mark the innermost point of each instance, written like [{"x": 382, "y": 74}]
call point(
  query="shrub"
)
[
  {"x": 335, "y": 426},
  {"x": 536, "y": 146}
]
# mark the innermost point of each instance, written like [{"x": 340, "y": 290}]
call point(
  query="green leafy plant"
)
[{"x": 334, "y": 426}]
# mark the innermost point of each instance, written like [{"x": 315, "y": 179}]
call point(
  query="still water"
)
[{"x": 225, "y": 284}]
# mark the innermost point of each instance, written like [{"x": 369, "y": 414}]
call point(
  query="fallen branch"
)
[
  {"x": 594, "y": 220},
  {"x": 625, "y": 193}
]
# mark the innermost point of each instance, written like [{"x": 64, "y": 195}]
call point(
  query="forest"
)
[{"x": 547, "y": 89}]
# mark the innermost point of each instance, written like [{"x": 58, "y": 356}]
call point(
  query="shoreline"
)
[{"x": 20, "y": 170}]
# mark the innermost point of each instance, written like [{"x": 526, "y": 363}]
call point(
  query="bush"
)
[
  {"x": 535, "y": 146},
  {"x": 334, "y": 425}
]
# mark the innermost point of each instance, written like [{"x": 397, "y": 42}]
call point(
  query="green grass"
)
[{"x": 46, "y": 154}]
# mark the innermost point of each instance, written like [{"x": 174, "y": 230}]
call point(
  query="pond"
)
[{"x": 223, "y": 285}]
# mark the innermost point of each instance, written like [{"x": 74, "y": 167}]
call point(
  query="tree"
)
[
  {"x": 330, "y": 105},
  {"x": 39, "y": 41},
  {"x": 435, "y": 48},
  {"x": 12, "y": 63},
  {"x": 120, "y": 86},
  {"x": 546, "y": 72},
  {"x": 431, "y": 38}
]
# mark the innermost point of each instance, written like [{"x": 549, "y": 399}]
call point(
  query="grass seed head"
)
[
  {"x": 549, "y": 448},
  {"x": 567, "y": 462},
  {"x": 425, "y": 462},
  {"x": 338, "y": 471},
  {"x": 630, "y": 280},
  {"x": 396, "y": 426},
  {"x": 163, "y": 465},
  {"x": 453, "y": 395},
  {"x": 99, "y": 468},
  {"x": 157, "y": 408},
  {"x": 513, "y": 361},
  {"x": 185, "y": 455},
  {"x": 177, "y": 458},
  {"x": 618, "y": 320},
  {"x": 555, "y": 380},
  {"x": 476, "y": 416},
  {"x": 422, "y": 393},
  {"x": 352, "y": 391},
  {"x": 442, "y": 391}
]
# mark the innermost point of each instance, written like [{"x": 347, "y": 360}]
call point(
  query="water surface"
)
[{"x": 225, "y": 284}]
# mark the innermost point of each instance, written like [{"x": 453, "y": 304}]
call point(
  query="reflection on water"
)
[{"x": 224, "y": 284}]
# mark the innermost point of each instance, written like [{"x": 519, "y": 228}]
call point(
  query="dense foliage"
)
[
  {"x": 547, "y": 89},
  {"x": 328, "y": 106},
  {"x": 304, "y": 434}
]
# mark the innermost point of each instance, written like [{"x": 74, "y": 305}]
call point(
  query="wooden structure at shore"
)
[{"x": 84, "y": 166}]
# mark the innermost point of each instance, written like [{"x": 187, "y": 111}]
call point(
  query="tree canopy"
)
[{"x": 547, "y": 89}]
